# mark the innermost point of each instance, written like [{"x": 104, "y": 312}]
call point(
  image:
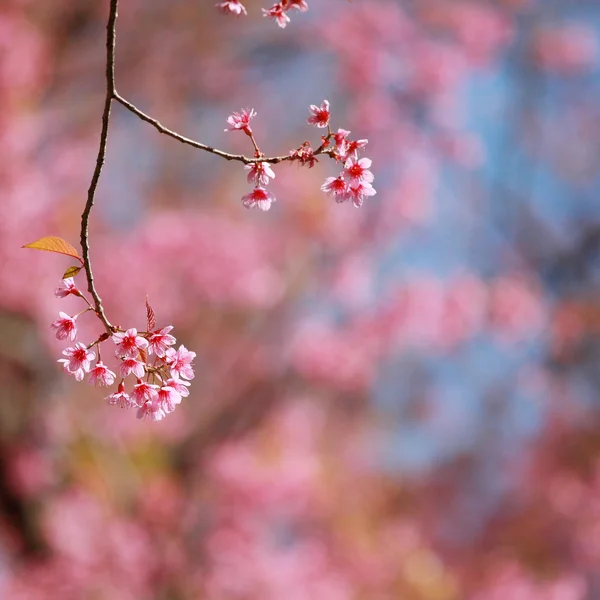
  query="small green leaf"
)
[{"x": 72, "y": 271}]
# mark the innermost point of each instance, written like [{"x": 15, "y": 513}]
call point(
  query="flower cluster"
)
[
  {"x": 259, "y": 173},
  {"x": 354, "y": 183},
  {"x": 277, "y": 12},
  {"x": 162, "y": 374}
]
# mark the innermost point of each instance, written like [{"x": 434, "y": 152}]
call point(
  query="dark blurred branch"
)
[{"x": 85, "y": 217}]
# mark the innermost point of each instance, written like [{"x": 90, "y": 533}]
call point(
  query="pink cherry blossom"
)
[
  {"x": 260, "y": 173},
  {"x": 65, "y": 327},
  {"x": 241, "y": 120},
  {"x": 132, "y": 365},
  {"x": 129, "y": 343},
  {"x": 100, "y": 375},
  {"x": 276, "y": 12},
  {"x": 78, "y": 360},
  {"x": 234, "y": 7},
  {"x": 144, "y": 392},
  {"x": 320, "y": 115},
  {"x": 168, "y": 398},
  {"x": 160, "y": 340},
  {"x": 67, "y": 286},
  {"x": 152, "y": 410},
  {"x": 180, "y": 386},
  {"x": 350, "y": 148},
  {"x": 340, "y": 136},
  {"x": 357, "y": 171},
  {"x": 120, "y": 398},
  {"x": 336, "y": 188},
  {"x": 301, "y": 5},
  {"x": 258, "y": 198},
  {"x": 180, "y": 362},
  {"x": 359, "y": 192}
]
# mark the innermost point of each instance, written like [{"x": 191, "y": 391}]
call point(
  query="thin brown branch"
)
[
  {"x": 185, "y": 140},
  {"x": 110, "y": 93}
]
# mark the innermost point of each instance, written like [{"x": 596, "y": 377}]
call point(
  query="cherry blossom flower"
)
[
  {"x": 180, "y": 386},
  {"x": 129, "y": 343},
  {"x": 276, "y": 12},
  {"x": 336, "y": 188},
  {"x": 132, "y": 365},
  {"x": 168, "y": 398},
  {"x": 120, "y": 398},
  {"x": 65, "y": 327},
  {"x": 301, "y": 5},
  {"x": 100, "y": 375},
  {"x": 78, "y": 360},
  {"x": 357, "y": 171},
  {"x": 160, "y": 340},
  {"x": 258, "y": 198},
  {"x": 151, "y": 410},
  {"x": 180, "y": 362},
  {"x": 66, "y": 287},
  {"x": 352, "y": 147},
  {"x": 320, "y": 115},
  {"x": 241, "y": 120},
  {"x": 260, "y": 173},
  {"x": 234, "y": 7},
  {"x": 144, "y": 392},
  {"x": 340, "y": 138},
  {"x": 359, "y": 192}
]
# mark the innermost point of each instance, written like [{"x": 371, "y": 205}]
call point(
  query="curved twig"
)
[{"x": 85, "y": 217}]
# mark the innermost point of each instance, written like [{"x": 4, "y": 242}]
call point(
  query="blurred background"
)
[{"x": 392, "y": 402}]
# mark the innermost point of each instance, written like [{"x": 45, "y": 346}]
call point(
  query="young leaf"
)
[
  {"x": 54, "y": 244},
  {"x": 72, "y": 271}
]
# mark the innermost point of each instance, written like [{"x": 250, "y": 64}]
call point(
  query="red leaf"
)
[{"x": 151, "y": 316}]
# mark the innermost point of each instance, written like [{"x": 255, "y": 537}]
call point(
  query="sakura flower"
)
[
  {"x": 180, "y": 386},
  {"x": 180, "y": 362},
  {"x": 340, "y": 140},
  {"x": 276, "y": 12},
  {"x": 168, "y": 398},
  {"x": 352, "y": 147},
  {"x": 67, "y": 286},
  {"x": 301, "y": 5},
  {"x": 144, "y": 392},
  {"x": 151, "y": 410},
  {"x": 320, "y": 115},
  {"x": 120, "y": 398},
  {"x": 100, "y": 375},
  {"x": 357, "y": 171},
  {"x": 129, "y": 343},
  {"x": 234, "y": 7},
  {"x": 78, "y": 360},
  {"x": 160, "y": 340},
  {"x": 359, "y": 192},
  {"x": 340, "y": 136},
  {"x": 132, "y": 365},
  {"x": 65, "y": 327},
  {"x": 258, "y": 198},
  {"x": 336, "y": 188},
  {"x": 241, "y": 120},
  {"x": 260, "y": 173}
]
